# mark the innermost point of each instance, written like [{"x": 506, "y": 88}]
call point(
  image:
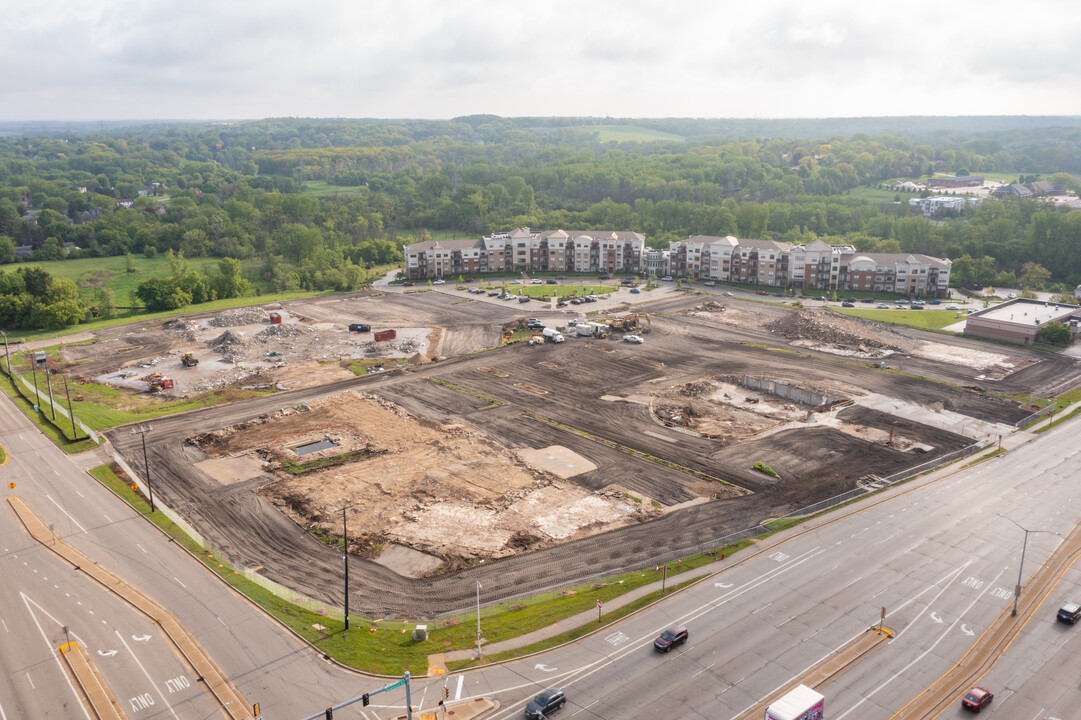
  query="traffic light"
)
[
  {"x": 330, "y": 713},
  {"x": 255, "y": 709},
  {"x": 446, "y": 692},
  {"x": 364, "y": 700}
]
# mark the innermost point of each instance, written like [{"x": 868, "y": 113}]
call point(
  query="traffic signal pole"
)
[{"x": 328, "y": 714}]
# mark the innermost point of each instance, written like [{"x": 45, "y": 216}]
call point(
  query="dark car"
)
[
  {"x": 545, "y": 704},
  {"x": 760, "y": 292},
  {"x": 551, "y": 281},
  {"x": 407, "y": 284},
  {"x": 670, "y": 638},
  {"x": 1069, "y": 613},
  {"x": 977, "y": 699},
  {"x": 778, "y": 294},
  {"x": 523, "y": 298},
  {"x": 850, "y": 300},
  {"x": 603, "y": 276},
  {"x": 819, "y": 298},
  {"x": 914, "y": 307},
  {"x": 867, "y": 300},
  {"x": 534, "y": 323},
  {"x": 848, "y": 304}
]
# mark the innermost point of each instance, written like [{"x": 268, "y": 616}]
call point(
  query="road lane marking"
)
[
  {"x": 107, "y": 517},
  {"x": 926, "y": 607},
  {"x": 27, "y": 601},
  {"x": 3, "y": 715},
  {"x": 152, "y": 683},
  {"x": 587, "y": 707},
  {"x": 922, "y": 655},
  {"x": 66, "y": 513},
  {"x": 458, "y": 692},
  {"x": 5, "y": 625},
  {"x": 184, "y": 586},
  {"x": 31, "y": 681}
]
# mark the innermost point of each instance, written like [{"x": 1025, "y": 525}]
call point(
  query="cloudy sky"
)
[{"x": 238, "y": 59}]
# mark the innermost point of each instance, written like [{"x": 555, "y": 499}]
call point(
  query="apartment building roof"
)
[{"x": 896, "y": 259}]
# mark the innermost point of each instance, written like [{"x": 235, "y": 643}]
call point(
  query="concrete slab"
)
[{"x": 560, "y": 461}]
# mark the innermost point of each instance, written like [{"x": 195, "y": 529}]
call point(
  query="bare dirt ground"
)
[
  {"x": 466, "y": 468},
  {"x": 442, "y": 489}
]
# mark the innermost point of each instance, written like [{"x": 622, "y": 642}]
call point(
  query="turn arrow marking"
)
[
  {"x": 935, "y": 617},
  {"x": 140, "y": 638},
  {"x": 109, "y": 653},
  {"x": 544, "y": 668},
  {"x": 965, "y": 630},
  {"x": 722, "y": 585}
]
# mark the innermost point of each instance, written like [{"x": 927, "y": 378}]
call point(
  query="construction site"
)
[{"x": 528, "y": 467}]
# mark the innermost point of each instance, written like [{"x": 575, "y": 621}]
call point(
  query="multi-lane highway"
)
[{"x": 934, "y": 554}]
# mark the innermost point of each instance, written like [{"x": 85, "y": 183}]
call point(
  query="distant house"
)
[
  {"x": 84, "y": 216},
  {"x": 125, "y": 203},
  {"x": 956, "y": 182},
  {"x": 908, "y": 186},
  {"x": 938, "y": 205},
  {"x": 26, "y": 251}
]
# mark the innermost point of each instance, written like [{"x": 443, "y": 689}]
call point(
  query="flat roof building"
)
[{"x": 1018, "y": 321}]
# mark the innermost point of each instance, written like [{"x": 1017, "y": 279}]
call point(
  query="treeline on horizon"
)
[{"x": 317, "y": 204}]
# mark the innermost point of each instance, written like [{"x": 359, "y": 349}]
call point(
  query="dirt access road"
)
[{"x": 593, "y": 397}]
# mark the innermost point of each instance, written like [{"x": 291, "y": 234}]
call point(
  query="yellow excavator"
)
[{"x": 632, "y": 322}]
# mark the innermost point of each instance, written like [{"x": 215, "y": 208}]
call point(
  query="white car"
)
[
  {"x": 728, "y": 293},
  {"x": 536, "y": 281},
  {"x": 667, "y": 278},
  {"x": 633, "y": 339},
  {"x": 515, "y": 282},
  {"x": 882, "y": 306},
  {"x": 709, "y": 283},
  {"x": 952, "y": 307},
  {"x": 439, "y": 282}
]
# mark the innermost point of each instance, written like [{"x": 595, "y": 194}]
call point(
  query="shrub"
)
[{"x": 764, "y": 468}]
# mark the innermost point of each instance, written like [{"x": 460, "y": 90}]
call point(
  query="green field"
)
[
  {"x": 320, "y": 188},
  {"x": 547, "y": 291},
  {"x": 920, "y": 319},
  {"x": 620, "y": 133},
  {"x": 91, "y": 273}
]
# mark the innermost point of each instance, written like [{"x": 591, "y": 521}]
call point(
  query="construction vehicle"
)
[
  {"x": 598, "y": 329},
  {"x": 156, "y": 382},
  {"x": 189, "y": 360},
  {"x": 632, "y": 322}
]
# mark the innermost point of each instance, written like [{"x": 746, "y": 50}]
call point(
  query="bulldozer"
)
[
  {"x": 156, "y": 382},
  {"x": 629, "y": 323},
  {"x": 189, "y": 360}
]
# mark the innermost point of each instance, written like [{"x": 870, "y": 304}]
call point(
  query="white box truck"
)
[{"x": 802, "y": 703}]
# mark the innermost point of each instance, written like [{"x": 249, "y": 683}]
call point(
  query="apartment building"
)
[
  {"x": 816, "y": 266},
  {"x": 524, "y": 250}
]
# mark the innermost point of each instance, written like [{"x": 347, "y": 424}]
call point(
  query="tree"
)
[
  {"x": 1055, "y": 333},
  {"x": 1034, "y": 276},
  {"x": 129, "y": 263},
  {"x": 160, "y": 294},
  {"x": 7, "y": 250},
  {"x": 105, "y": 303},
  {"x": 229, "y": 283}
]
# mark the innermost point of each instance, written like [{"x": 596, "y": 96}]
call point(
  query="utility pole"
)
[
  {"x": 34, "y": 372},
  {"x": 345, "y": 559},
  {"x": 52, "y": 404},
  {"x": 146, "y": 463},
  {"x": 71, "y": 413},
  {"x": 1020, "y": 568},
  {"x": 479, "y": 587}
]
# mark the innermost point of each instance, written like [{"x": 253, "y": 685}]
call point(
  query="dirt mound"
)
[
  {"x": 183, "y": 329},
  {"x": 806, "y": 325},
  {"x": 237, "y": 317},
  {"x": 709, "y": 306},
  {"x": 292, "y": 330}
]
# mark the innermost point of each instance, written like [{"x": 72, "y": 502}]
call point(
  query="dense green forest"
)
[{"x": 316, "y": 204}]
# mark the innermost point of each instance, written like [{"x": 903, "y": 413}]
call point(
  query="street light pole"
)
[
  {"x": 1021, "y": 567},
  {"x": 146, "y": 463},
  {"x": 345, "y": 559},
  {"x": 479, "y": 586},
  {"x": 220, "y": 707}
]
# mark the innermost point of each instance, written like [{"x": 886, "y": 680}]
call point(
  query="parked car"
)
[
  {"x": 918, "y": 302},
  {"x": 819, "y": 298},
  {"x": 952, "y": 307},
  {"x": 545, "y": 704},
  {"x": 493, "y": 293},
  {"x": 440, "y": 281},
  {"x": 867, "y": 300},
  {"x": 934, "y": 302},
  {"x": 1069, "y": 613},
  {"x": 729, "y": 293},
  {"x": 709, "y": 283},
  {"x": 914, "y": 307},
  {"x": 852, "y": 300},
  {"x": 551, "y": 281},
  {"x": 1011, "y": 296},
  {"x": 515, "y": 282},
  {"x": 636, "y": 291},
  {"x": 633, "y": 339},
  {"x": 603, "y": 276},
  {"x": 561, "y": 277},
  {"x": 670, "y": 638},
  {"x": 407, "y": 284},
  {"x": 977, "y": 699},
  {"x": 779, "y": 294},
  {"x": 561, "y": 303},
  {"x": 900, "y": 301},
  {"x": 848, "y": 304},
  {"x": 882, "y": 306},
  {"x": 536, "y": 281},
  {"x": 523, "y": 298},
  {"x": 533, "y": 323},
  {"x": 667, "y": 278},
  {"x": 760, "y": 292},
  {"x": 576, "y": 301}
]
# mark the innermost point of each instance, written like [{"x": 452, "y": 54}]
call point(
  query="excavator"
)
[{"x": 628, "y": 323}]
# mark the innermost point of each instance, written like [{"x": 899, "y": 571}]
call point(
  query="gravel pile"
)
[
  {"x": 182, "y": 329},
  {"x": 274, "y": 332},
  {"x": 238, "y": 316}
]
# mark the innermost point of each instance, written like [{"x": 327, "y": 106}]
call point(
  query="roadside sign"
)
[
  {"x": 600, "y": 604},
  {"x": 11, "y": 486}
]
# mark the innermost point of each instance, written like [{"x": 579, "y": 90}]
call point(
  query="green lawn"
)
[
  {"x": 547, "y": 291},
  {"x": 920, "y": 319}
]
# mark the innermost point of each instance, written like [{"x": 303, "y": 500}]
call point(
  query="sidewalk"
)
[{"x": 1009, "y": 442}]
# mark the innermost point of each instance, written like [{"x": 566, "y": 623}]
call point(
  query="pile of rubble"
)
[
  {"x": 837, "y": 330},
  {"x": 709, "y": 306},
  {"x": 183, "y": 329},
  {"x": 238, "y": 316},
  {"x": 272, "y": 333},
  {"x": 229, "y": 344}
]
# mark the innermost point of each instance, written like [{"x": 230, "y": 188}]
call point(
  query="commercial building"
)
[
  {"x": 524, "y": 250},
  {"x": 1018, "y": 321},
  {"x": 956, "y": 182}
]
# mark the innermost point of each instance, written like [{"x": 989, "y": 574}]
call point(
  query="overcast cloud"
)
[{"x": 67, "y": 60}]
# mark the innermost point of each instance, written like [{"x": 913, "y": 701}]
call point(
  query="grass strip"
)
[
  {"x": 1062, "y": 418},
  {"x": 49, "y": 430},
  {"x": 493, "y": 402},
  {"x": 299, "y": 468},
  {"x": 644, "y": 455},
  {"x": 994, "y": 453}
]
